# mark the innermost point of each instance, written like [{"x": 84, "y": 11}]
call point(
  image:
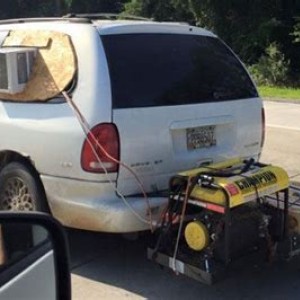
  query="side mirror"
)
[{"x": 34, "y": 259}]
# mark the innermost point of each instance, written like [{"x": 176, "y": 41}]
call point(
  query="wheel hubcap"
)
[{"x": 15, "y": 196}]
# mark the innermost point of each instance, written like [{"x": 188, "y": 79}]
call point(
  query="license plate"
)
[{"x": 200, "y": 137}]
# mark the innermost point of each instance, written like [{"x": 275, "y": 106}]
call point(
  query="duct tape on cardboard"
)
[{"x": 54, "y": 67}]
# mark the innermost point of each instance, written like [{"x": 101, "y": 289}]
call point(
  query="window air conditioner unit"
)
[{"x": 15, "y": 67}]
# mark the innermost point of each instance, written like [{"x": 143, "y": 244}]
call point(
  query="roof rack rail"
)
[
  {"x": 28, "y": 20},
  {"x": 105, "y": 16}
]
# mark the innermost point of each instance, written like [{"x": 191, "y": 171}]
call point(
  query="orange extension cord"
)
[{"x": 87, "y": 130}]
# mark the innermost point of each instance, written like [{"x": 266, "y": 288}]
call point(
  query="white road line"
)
[{"x": 283, "y": 127}]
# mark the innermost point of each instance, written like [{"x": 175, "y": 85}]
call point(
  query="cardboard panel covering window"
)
[{"x": 54, "y": 66}]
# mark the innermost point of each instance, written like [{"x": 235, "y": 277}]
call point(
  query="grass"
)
[{"x": 279, "y": 92}]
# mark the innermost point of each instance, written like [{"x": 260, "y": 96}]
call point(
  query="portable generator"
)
[{"x": 221, "y": 212}]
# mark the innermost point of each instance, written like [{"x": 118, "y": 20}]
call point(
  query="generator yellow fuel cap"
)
[{"x": 196, "y": 235}]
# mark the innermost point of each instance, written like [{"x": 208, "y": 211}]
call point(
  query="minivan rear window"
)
[{"x": 173, "y": 69}]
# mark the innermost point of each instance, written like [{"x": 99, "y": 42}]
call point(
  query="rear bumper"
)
[{"x": 95, "y": 206}]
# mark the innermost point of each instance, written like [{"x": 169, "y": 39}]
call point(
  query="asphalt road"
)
[
  {"x": 282, "y": 145},
  {"x": 108, "y": 267}
]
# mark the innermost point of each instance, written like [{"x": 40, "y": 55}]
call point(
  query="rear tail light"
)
[
  {"x": 263, "y": 127},
  {"x": 106, "y": 135}
]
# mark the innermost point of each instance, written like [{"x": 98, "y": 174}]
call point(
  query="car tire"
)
[{"x": 20, "y": 190}]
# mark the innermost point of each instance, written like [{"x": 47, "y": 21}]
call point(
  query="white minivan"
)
[{"x": 159, "y": 98}]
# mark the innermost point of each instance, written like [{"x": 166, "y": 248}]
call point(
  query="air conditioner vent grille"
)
[{"x": 15, "y": 67}]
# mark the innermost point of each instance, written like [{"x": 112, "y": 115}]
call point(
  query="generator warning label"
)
[{"x": 259, "y": 181}]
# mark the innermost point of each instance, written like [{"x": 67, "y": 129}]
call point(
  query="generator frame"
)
[{"x": 206, "y": 275}]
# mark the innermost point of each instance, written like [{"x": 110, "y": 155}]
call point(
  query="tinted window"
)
[{"x": 172, "y": 69}]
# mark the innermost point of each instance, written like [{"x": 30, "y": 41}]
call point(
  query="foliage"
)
[
  {"x": 296, "y": 33},
  {"x": 136, "y": 7},
  {"x": 161, "y": 10},
  {"x": 95, "y": 6},
  {"x": 29, "y": 8},
  {"x": 279, "y": 92},
  {"x": 40, "y": 8},
  {"x": 272, "y": 68}
]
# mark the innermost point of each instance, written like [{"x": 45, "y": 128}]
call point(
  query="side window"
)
[{"x": 32, "y": 58}]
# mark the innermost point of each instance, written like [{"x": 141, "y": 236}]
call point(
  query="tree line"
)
[{"x": 264, "y": 33}]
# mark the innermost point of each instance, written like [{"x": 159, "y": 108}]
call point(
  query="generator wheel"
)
[{"x": 20, "y": 190}]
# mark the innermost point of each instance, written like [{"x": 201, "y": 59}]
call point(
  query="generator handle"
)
[{"x": 248, "y": 163}]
